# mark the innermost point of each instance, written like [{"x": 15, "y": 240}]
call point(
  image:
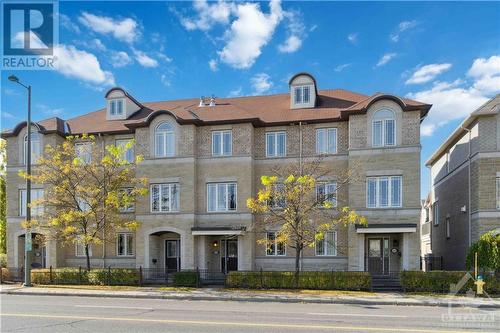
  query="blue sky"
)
[{"x": 447, "y": 54}]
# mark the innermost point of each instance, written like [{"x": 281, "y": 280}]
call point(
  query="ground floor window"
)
[
  {"x": 328, "y": 245},
  {"x": 125, "y": 244},
  {"x": 80, "y": 249},
  {"x": 274, "y": 247}
]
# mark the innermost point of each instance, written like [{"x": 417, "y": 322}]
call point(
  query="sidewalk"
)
[{"x": 216, "y": 294}]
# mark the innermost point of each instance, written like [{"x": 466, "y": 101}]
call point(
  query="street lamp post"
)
[{"x": 27, "y": 237}]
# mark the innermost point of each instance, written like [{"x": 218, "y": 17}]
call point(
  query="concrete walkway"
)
[{"x": 218, "y": 294}]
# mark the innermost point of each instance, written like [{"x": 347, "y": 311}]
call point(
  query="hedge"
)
[
  {"x": 100, "y": 276},
  {"x": 185, "y": 279},
  {"x": 307, "y": 280},
  {"x": 440, "y": 282}
]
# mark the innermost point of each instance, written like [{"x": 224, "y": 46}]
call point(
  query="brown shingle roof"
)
[{"x": 331, "y": 105}]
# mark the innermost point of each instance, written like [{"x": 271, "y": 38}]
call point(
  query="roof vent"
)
[{"x": 207, "y": 101}]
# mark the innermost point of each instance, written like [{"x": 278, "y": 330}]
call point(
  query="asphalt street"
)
[{"x": 81, "y": 314}]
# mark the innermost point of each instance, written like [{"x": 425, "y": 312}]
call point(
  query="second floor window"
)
[
  {"x": 128, "y": 207},
  {"x": 84, "y": 151},
  {"x": 328, "y": 245},
  {"x": 128, "y": 154},
  {"x": 221, "y": 143},
  {"x": 382, "y": 192},
  {"x": 383, "y": 128},
  {"x": 221, "y": 197},
  {"x": 275, "y": 144},
  {"x": 116, "y": 107},
  {"x": 164, "y": 140},
  {"x": 277, "y": 198},
  {"x": 498, "y": 192},
  {"x": 327, "y": 192},
  {"x": 274, "y": 247},
  {"x": 36, "y": 148},
  {"x": 326, "y": 141},
  {"x": 435, "y": 213},
  {"x": 36, "y": 210},
  {"x": 125, "y": 244},
  {"x": 165, "y": 197}
]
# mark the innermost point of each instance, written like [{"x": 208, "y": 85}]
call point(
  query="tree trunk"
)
[
  {"x": 298, "y": 251},
  {"x": 88, "y": 256}
]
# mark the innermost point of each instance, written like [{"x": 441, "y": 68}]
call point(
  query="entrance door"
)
[
  {"x": 378, "y": 255},
  {"x": 231, "y": 248},
  {"x": 172, "y": 255}
]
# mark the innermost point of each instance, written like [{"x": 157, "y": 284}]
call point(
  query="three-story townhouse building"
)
[{"x": 204, "y": 158}]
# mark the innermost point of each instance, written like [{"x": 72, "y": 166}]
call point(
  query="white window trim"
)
[
  {"x": 221, "y": 133},
  {"x": 217, "y": 210},
  {"x": 35, "y": 155},
  {"x": 125, "y": 141},
  {"x": 273, "y": 205},
  {"x": 130, "y": 209},
  {"x": 79, "y": 144},
  {"x": 126, "y": 235},
  {"x": 275, "y": 254},
  {"x": 498, "y": 192},
  {"x": 115, "y": 101},
  {"x": 383, "y": 129},
  {"x": 164, "y": 138},
  {"x": 326, "y": 151},
  {"x": 33, "y": 211},
  {"x": 302, "y": 88},
  {"x": 83, "y": 249},
  {"x": 325, "y": 250},
  {"x": 275, "y": 134},
  {"x": 435, "y": 213},
  {"x": 389, "y": 191},
  {"x": 159, "y": 211},
  {"x": 448, "y": 227},
  {"x": 326, "y": 184}
]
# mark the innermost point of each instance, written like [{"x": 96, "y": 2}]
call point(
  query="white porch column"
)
[
  {"x": 241, "y": 264},
  {"x": 361, "y": 252},
  {"x": 406, "y": 251},
  {"x": 202, "y": 252},
  {"x": 51, "y": 253},
  {"x": 187, "y": 251}
]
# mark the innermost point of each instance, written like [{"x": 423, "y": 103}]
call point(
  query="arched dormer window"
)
[
  {"x": 383, "y": 128},
  {"x": 35, "y": 147},
  {"x": 164, "y": 140}
]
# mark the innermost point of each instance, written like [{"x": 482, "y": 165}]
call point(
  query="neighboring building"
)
[
  {"x": 466, "y": 165},
  {"x": 205, "y": 157}
]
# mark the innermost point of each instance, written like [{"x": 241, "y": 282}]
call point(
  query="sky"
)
[{"x": 443, "y": 53}]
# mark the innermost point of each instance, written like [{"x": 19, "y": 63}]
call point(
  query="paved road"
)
[{"x": 80, "y": 314}]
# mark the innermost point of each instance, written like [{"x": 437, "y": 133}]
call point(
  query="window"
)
[
  {"x": 435, "y": 212},
  {"x": 83, "y": 205},
  {"x": 498, "y": 192},
  {"x": 128, "y": 154},
  {"x": 164, "y": 140},
  {"x": 382, "y": 192},
  {"x": 80, "y": 249},
  {"x": 274, "y": 248},
  {"x": 126, "y": 208},
  {"x": 327, "y": 192},
  {"x": 221, "y": 197},
  {"x": 383, "y": 128},
  {"x": 275, "y": 144},
  {"x": 447, "y": 227},
  {"x": 326, "y": 141},
  {"x": 116, "y": 107},
  {"x": 277, "y": 201},
  {"x": 328, "y": 245},
  {"x": 36, "y": 210},
  {"x": 165, "y": 197},
  {"x": 222, "y": 143},
  {"x": 35, "y": 147},
  {"x": 84, "y": 152},
  {"x": 125, "y": 244},
  {"x": 302, "y": 94}
]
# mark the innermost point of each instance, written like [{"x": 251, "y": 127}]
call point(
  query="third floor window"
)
[
  {"x": 164, "y": 140},
  {"x": 222, "y": 143},
  {"x": 326, "y": 141},
  {"x": 221, "y": 197},
  {"x": 84, "y": 151},
  {"x": 35, "y": 147},
  {"x": 275, "y": 144},
  {"x": 382, "y": 192},
  {"x": 383, "y": 128}
]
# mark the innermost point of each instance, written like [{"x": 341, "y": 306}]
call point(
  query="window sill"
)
[
  {"x": 124, "y": 256},
  {"x": 171, "y": 212},
  {"x": 222, "y": 212}
]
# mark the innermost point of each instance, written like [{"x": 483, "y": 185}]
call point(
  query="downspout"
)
[
  {"x": 103, "y": 231},
  {"x": 469, "y": 184},
  {"x": 300, "y": 163}
]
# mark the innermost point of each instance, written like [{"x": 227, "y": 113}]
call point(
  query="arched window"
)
[
  {"x": 35, "y": 147},
  {"x": 383, "y": 128},
  {"x": 164, "y": 140}
]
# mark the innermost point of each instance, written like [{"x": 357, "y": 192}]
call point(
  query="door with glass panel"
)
[
  {"x": 378, "y": 255},
  {"x": 172, "y": 255},
  {"x": 230, "y": 247}
]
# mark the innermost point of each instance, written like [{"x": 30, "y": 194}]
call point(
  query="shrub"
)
[
  {"x": 185, "y": 279},
  {"x": 98, "y": 276},
  {"x": 307, "y": 280},
  {"x": 3, "y": 260},
  {"x": 441, "y": 281},
  {"x": 5, "y": 274},
  {"x": 115, "y": 276}
]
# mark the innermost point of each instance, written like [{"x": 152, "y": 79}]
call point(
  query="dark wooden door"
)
[{"x": 231, "y": 248}]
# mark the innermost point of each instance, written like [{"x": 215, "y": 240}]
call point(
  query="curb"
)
[{"x": 258, "y": 299}]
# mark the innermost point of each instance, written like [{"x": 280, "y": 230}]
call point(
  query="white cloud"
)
[
  {"x": 295, "y": 30},
  {"x": 120, "y": 59},
  {"x": 47, "y": 110},
  {"x": 353, "y": 38},
  {"x": 427, "y": 73},
  {"x": 213, "y": 65},
  {"x": 486, "y": 73},
  {"x": 144, "y": 60},
  {"x": 292, "y": 44},
  {"x": 261, "y": 83},
  {"x": 235, "y": 93},
  {"x": 341, "y": 67},
  {"x": 249, "y": 33},
  {"x": 68, "y": 24},
  {"x": 208, "y": 15},
  {"x": 165, "y": 80},
  {"x": 385, "y": 59},
  {"x": 455, "y": 100},
  {"x": 403, "y": 26},
  {"x": 82, "y": 65},
  {"x": 126, "y": 30}
]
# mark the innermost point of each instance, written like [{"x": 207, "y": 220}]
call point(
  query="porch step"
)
[{"x": 386, "y": 283}]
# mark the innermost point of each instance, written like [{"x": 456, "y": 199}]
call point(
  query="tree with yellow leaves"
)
[
  {"x": 302, "y": 214},
  {"x": 87, "y": 189}
]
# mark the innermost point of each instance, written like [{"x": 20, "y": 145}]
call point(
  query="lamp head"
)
[{"x": 13, "y": 78}]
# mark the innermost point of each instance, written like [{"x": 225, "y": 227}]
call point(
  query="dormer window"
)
[
  {"x": 116, "y": 107},
  {"x": 302, "y": 91},
  {"x": 302, "y": 94}
]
